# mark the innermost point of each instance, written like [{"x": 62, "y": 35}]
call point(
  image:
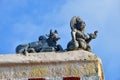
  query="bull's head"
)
[{"x": 53, "y": 35}]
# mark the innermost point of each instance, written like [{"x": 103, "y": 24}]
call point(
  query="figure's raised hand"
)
[{"x": 93, "y": 35}]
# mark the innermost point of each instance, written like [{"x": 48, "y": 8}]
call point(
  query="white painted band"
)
[{"x": 83, "y": 78}]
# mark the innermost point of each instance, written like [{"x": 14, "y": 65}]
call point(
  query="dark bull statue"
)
[{"x": 46, "y": 43}]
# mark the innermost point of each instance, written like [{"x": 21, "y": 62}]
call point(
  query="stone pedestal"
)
[{"x": 51, "y": 65}]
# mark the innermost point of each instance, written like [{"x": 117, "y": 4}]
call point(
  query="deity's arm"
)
[
  {"x": 73, "y": 34},
  {"x": 81, "y": 35},
  {"x": 87, "y": 39},
  {"x": 91, "y": 36}
]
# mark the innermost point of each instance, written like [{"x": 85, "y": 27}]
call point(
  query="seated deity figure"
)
[{"x": 79, "y": 39}]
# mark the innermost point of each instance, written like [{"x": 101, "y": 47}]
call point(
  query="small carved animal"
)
[{"x": 45, "y": 44}]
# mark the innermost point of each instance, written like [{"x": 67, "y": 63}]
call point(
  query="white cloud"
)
[
  {"x": 94, "y": 12},
  {"x": 105, "y": 15}
]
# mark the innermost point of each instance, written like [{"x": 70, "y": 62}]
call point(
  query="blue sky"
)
[{"x": 22, "y": 21}]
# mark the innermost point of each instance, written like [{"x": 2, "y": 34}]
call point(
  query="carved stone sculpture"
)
[
  {"x": 48, "y": 43},
  {"x": 79, "y": 39},
  {"x": 45, "y": 44}
]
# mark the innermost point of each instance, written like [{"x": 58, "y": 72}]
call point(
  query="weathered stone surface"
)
[{"x": 52, "y": 65}]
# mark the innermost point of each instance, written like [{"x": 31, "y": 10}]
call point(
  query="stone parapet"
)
[{"x": 77, "y": 63}]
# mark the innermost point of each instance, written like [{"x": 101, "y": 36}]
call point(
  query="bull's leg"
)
[
  {"x": 59, "y": 48},
  {"x": 25, "y": 52},
  {"x": 31, "y": 50}
]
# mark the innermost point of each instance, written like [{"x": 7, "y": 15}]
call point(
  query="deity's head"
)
[{"x": 80, "y": 24}]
